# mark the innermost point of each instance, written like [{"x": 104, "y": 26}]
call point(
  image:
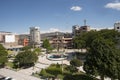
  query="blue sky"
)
[{"x": 18, "y": 15}]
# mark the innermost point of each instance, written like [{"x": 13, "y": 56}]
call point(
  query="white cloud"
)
[
  {"x": 115, "y": 5},
  {"x": 76, "y": 8},
  {"x": 54, "y": 29},
  {"x": 50, "y": 30},
  {"x": 98, "y": 28}
]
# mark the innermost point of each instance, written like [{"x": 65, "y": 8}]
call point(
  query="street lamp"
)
[{"x": 57, "y": 43}]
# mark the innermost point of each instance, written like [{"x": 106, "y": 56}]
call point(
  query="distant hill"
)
[{"x": 54, "y": 34}]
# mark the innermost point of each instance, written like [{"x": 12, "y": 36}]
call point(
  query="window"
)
[{"x": 118, "y": 28}]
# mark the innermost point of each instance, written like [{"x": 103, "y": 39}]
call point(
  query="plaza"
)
[
  {"x": 43, "y": 62},
  {"x": 26, "y": 74}
]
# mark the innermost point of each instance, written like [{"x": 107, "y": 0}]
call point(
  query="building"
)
[
  {"x": 8, "y": 38},
  {"x": 117, "y": 26},
  {"x": 2, "y": 34},
  {"x": 35, "y": 36},
  {"x": 10, "y": 41},
  {"x": 77, "y": 30},
  {"x": 58, "y": 39},
  {"x": 24, "y": 39},
  {"x": 61, "y": 42}
]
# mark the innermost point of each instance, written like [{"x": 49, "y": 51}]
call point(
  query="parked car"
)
[{"x": 6, "y": 78}]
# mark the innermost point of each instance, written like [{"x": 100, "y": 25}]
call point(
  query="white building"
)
[
  {"x": 117, "y": 26},
  {"x": 9, "y": 38},
  {"x": 35, "y": 35},
  {"x": 2, "y": 34}
]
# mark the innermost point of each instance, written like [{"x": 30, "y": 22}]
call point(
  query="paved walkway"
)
[
  {"x": 16, "y": 75},
  {"x": 25, "y": 74},
  {"x": 31, "y": 70},
  {"x": 43, "y": 60},
  {"x": 42, "y": 63}
]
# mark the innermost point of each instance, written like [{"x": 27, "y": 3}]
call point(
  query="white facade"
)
[
  {"x": 35, "y": 35},
  {"x": 9, "y": 38},
  {"x": 117, "y": 26},
  {"x": 2, "y": 34}
]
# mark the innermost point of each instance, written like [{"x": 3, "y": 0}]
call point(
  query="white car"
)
[{"x": 8, "y": 78}]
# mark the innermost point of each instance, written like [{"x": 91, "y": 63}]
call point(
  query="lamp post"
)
[{"x": 57, "y": 43}]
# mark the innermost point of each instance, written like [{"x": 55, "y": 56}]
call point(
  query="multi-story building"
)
[
  {"x": 58, "y": 39},
  {"x": 35, "y": 36},
  {"x": 2, "y": 34},
  {"x": 24, "y": 39},
  {"x": 61, "y": 42},
  {"x": 117, "y": 26},
  {"x": 10, "y": 40},
  {"x": 77, "y": 30}
]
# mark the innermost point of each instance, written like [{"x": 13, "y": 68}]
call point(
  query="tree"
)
[
  {"x": 26, "y": 48},
  {"x": 37, "y": 51},
  {"x": 46, "y": 44},
  {"x": 88, "y": 37},
  {"x": 76, "y": 63},
  {"x": 110, "y": 34},
  {"x": 72, "y": 69},
  {"x": 43, "y": 73},
  {"x": 52, "y": 71},
  {"x": 114, "y": 68},
  {"x": 79, "y": 77},
  {"x": 106, "y": 34},
  {"x": 101, "y": 52},
  {"x": 101, "y": 59},
  {"x": 25, "y": 59},
  {"x": 3, "y": 56},
  {"x": 79, "y": 43}
]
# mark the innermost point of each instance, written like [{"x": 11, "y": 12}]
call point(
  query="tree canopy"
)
[
  {"x": 25, "y": 59},
  {"x": 102, "y": 54},
  {"x": 26, "y": 48},
  {"x": 101, "y": 58},
  {"x": 37, "y": 51},
  {"x": 46, "y": 44},
  {"x": 52, "y": 71},
  {"x": 85, "y": 39},
  {"x": 76, "y": 63},
  {"x": 3, "y": 56}
]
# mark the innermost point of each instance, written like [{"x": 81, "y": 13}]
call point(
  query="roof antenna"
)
[{"x": 85, "y": 22}]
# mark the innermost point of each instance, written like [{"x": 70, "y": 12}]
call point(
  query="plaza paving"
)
[
  {"x": 25, "y": 74},
  {"x": 43, "y": 62},
  {"x": 16, "y": 75}
]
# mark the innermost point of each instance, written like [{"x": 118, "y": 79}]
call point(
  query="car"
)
[
  {"x": 10, "y": 79},
  {"x": 6, "y": 78},
  {"x": 2, "y": 78}
]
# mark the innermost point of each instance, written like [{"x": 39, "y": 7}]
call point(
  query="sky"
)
[{"x": 18, "y": 16}]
